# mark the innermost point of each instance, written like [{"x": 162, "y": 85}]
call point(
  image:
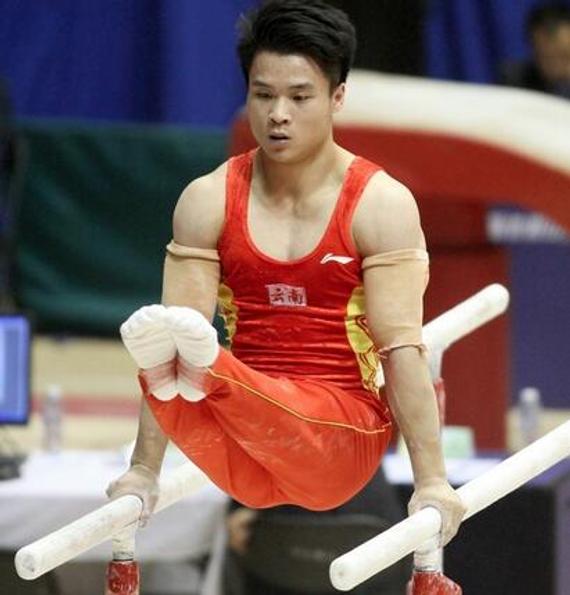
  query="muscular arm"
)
[
  {"x": 197, "y": 222},
  {"x": 387, "y": 220}
]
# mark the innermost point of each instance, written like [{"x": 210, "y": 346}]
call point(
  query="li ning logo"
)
[
  {"x": 330, "y": 257},
  {"x": 287, "y": 295}
]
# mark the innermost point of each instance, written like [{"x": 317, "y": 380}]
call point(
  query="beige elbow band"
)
[
  {"x": 193, "y": 253},
  {"x": 399, "y": 279}
]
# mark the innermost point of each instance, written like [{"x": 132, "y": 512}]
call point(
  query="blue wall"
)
[
  {"x": 540, "y": 281},
  {"x": 174, "y": 60},
  {"x": 466, "y": 39},
  {"x": 143, "y": 60}
]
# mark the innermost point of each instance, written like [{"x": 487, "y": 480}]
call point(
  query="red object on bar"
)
[
  {"x": 122, "y": 578},
  {"x": 432, "y": 583}
]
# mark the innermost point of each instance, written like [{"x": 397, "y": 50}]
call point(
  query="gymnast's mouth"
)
[{"x": 278, "y": 136}]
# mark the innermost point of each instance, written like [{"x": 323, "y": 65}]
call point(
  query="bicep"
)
[{"x": 387, "y": 218}]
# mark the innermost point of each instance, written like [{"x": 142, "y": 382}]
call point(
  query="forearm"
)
[
  {"x": 413, "y": 404},
  {"x": 191, "y": 282},
  {"x": 151, "y": 442}
]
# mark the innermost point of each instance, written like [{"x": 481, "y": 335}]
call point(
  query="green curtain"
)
[{"x": 95, "y": 216}]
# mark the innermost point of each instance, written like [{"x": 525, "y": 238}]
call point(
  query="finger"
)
[
  {"x": 114, "y": 490},
  {"x": 452, "y": 525},
  {"x": 145, "y": 514},
  {"x": 448, "y": 533},
  {"x": 148, "y": 505}
]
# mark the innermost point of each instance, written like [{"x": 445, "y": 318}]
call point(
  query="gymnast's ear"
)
[{"x": 338, "y": 95}]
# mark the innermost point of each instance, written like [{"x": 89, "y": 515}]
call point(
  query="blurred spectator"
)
[
  {"x": 548, "y": 32},
  {"x": 289, "y": 545}
]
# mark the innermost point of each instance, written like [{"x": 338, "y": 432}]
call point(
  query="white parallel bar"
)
[
  {"x": 464, "y": 318},
  {"x": 70, "y": 541},
  {"x": 111, "y": 519},
  {"x": 516, "y": 470},
  {"x": 373, "y": 556}
]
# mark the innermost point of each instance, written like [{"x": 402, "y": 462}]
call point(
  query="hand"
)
[
  {"x": 239, "y": 524},
  {"x": 439, "y": 494},
  {"x": 138, "y": 481}
]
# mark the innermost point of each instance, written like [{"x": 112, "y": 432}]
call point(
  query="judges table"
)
[{"x": 57, "y": 489}]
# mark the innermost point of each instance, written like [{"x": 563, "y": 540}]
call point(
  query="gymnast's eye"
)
[
  {"x": 301, "y": 98},
  {"x": 262, "y": 95}
]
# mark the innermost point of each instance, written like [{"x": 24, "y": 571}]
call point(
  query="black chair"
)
[
  {"x": 12, "y": 584},
  {"x": 291, "y": 549}
]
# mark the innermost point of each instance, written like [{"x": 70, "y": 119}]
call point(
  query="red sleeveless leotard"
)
[
  {"x": 304, "y": 318},
  {"x": 291, "y": 414}
]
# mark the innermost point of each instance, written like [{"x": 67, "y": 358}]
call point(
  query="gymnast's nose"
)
[{"x": 279, "y": 113}]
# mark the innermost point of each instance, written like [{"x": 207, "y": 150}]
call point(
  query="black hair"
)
[
  {"x": 309, "y": 28},
  {"x": 548, "y": 17}
]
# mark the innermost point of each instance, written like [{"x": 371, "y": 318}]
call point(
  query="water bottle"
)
[
  {"x": 530, "y": 409},
  {"x": 52, "y": 419}
]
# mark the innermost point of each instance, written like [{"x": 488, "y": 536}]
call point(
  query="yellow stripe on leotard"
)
[
  {"x": 228, "y": 310},
  {"x": 360, "y": 340}
]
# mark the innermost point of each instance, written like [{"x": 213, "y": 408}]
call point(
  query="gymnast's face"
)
[{"x": 290, "y": 106}]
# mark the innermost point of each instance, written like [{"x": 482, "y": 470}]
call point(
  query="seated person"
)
[
  {"x": 548, "y": 70},
  {"x": 292, "y": 549}
]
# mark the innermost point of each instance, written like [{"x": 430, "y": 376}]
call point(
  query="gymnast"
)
[{"x": 316, "y": 260}]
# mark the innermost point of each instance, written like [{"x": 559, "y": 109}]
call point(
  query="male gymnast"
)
[{"x": 318, "y": 264}]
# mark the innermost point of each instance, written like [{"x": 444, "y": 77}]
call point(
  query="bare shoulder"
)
[
  {"x": 199, "y": 214},
  {"x": 387, "y": 217}
]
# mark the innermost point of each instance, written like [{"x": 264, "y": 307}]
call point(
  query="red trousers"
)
[{"x": 268, "y": 441}]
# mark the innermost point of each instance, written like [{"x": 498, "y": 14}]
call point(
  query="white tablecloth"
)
[{"x": 57, "y": 489}]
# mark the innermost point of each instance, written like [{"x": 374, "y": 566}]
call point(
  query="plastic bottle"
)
[
  {"x": 52, "y": 419},
  {"x": 530, "y": 410}
]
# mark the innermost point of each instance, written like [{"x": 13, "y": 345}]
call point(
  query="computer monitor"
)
[{"x": 14, "y": 369}]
